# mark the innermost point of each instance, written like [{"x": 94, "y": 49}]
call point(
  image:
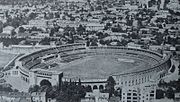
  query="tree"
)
[
  {"x": 151, "y": 3},
  {"x": 159, "y": 38},
  {"x": 62, "y": 97},
  {"x": 165, "y": 3},
  {"x": 32, "y": 16},
  {"x": 57, "y": 15},
  {"x": 134, "y": 36},
  {"x": 129, "y": 22},
  {"x": 45, "y": 88},
  {"x": 99, "y": 8},
  {"x": 45, "y": 41},
  {"x": 124, "y": 42},
  {"x": 71, "y": 92},
  {"x": 88, "y": 88},
  {"x": 118, "y": 92},
  {"x": 159, "y": 94},
  {"x": 88, "y": 43},
  {"x": 99, "y": 34},
  {"x": 34, "y": 88},
  {"x": 116, "y": 29},
  {"x": 79, "y": 83},
  {"x": 172, "y": 69},
  {"x": 178, "y": 85},
  {"x": 170, "y": 93},
  {"x": 140, "y": 23},
  {"x": 93, "y": 43},
  {"x": 52, "y": 32},
  {"x": 166, "y": 32},
  {"x": 179, "y": 70},
  {"x": 21, "y": 30},
  {"x": 110, "y": 85},
  {"x": 15, "y": 90},
  {"x": 81, "y": 29},
  {"x": 1, "y": 26},
  {"x": 162, "y": 83}
]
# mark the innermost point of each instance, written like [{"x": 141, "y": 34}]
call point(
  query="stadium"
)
[{"x": 93, "y": 65}]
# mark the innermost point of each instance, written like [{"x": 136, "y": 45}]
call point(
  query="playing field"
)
[{"x": 100, "y": 66}]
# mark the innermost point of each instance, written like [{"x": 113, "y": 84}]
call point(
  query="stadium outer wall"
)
[{"x": 24, "y": 67}]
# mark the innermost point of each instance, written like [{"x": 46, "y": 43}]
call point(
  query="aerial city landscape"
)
[{"x": 89, "y": 50}]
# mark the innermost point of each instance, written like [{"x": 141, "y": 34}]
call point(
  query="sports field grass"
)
[{"x": 100, "y": 66}]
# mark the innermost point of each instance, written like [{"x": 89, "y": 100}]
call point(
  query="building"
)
[
  {"x": 21, "y": 49},
  {"x": 156, "y": 47},
  {"x": 35, "y": 77},
  {"x": 94, "y": 26},
  {"x": 65, "y": 23},
  {"x": 37, "y": 66},
  {"x": 24, "y": 97},
  {"x": 145, "y": 32},
  {"x": 8, "y": 30},
  {"x": 127, "y": 2},
  {"x": 39, "y": 97},
  {"x": 148, "y": 92},
  {"x": 2, "y": 15},
  {"x": 130, "y": 94},
  {"x": 177, "y": 97},
  {"x": 143, "y": 93},
  {"x": 96, "y": 96},
  {"x": 14, "y": 97},
  {"x": 2, "y": 80},
  {"x": 133, "y": 45},
  {"x": 41, "y": 23}
]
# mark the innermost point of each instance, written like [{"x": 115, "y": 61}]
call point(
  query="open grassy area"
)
[
  {"x": 5, "y": 58},
  {"x": 100, "y": 66}
]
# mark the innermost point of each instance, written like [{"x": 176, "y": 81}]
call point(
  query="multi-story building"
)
[
  {"x": 41, "y": 23},
  {"x": 96, "y": 96},
  {"x": 177, "y": 97},
  {"x": 143, "y": 93},
  {"x": 130, "y": 94},
  {"x": 148, "y": 93},
  {"x": 39, "y": 97},
  {"x": 94, "y": 26},
  {"x": 2, "y": 15},
  {"x": 14, "y": 97}
]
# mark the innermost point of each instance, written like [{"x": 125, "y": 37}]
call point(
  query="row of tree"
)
[
  {"x": 168, "y": 89},
  {"x": 169, "y": 93},
  {"x": 72, "y": 91}
]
